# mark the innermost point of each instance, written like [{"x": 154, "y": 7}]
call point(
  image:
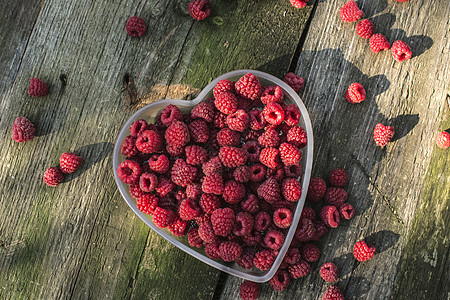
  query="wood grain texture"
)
[{"x": 400, "y": 193}]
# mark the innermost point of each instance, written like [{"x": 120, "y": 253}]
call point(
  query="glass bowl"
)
[{"x": 150, "y": 112}]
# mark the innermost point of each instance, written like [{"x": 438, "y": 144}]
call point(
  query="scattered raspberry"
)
[
  {"x": 232, "y": 157},
  {"x": 270, "y": 190},
  {"x": 53, "y": 176},
  {"x": 272, "y": 93},
  {"x": 37, "y": 88},
  {"x": 214, "y": 165},
  {"x": 165, "y": 186},
  {"x": 238, "y": 121},
  {"x": 129, "y": 147},
  {"x": 333, "y": 293},
  {"x": 310, "y": 252},
  {"x": 262, "y": 221},
  {"x": 203, "y": 111},
  {"x": 222, "y": 220},
  {"x": 308, "y": 213},
  {"x": 69, "y": 162},
  {"x": 159, "y": 163},
  {"x": 362, "y": 251},
  {"x": 212, "y": 250},
  {"x": 194, "y": 238},
  {"x": 280, "y": 281},
  {"x": 335, "y": 196},
  {"x": 282, "y": 218},
  {"x": 330, "y": 216},
  {"x": 228, "y": 137},
  {"x": 443, "y": 140},
  {"x": 290, "y": 155},
  {"x": 378, "y": 43},
  {"x": 148, "y": 182},
  {"x": 129, "y": 171},
  {"x": 244, "y": 224},
  {"x": 250, "y": 204},
  {"x": 147, "y": 203},
  {"x": 329, "y": 272},
  {"x": 293, "y": 171},
  {"x": 298, "y": 3},
  {"x": 346, "y": 211},
  {"x": 383, "y": 134},
  {"x": 273, "y": 113},
  {"x": 292, "y": 115},
  {"x": 138, "y": 127},
  {"x": 296, "y": 82},
  {"x": 264, "y": 259},
  {"x": 316, "y": 190},
  {"x": 182, "y": 174},
  {"x": 355, "y": 93},
  {"x": 269, "y": 157},
  {"x": 136, "y": 27},
  {"x": 199, "y": 9},
  {"x": 248, "y": 86},
  {"x": 223, "y": 86},
  {"x": 321, "y": 229},
  {"x": 242, "y": 174},
  {"x": 338, "y": 177},
  {"x": 233, "y": 192},
  {"x": 226, "y": 103},
  {"x": 306, "y": 230},
  {"x": 274, "y": 239},
  {"x": 401, "y": 51},
  {"x": 299, "y": 269},
  {"x": 350, "y": 12},
  {"x": 269, "y": 138},
  {"x": 163, "y": 217},
  {"x": 23, "y": 130},
  {"x": 365, "y": 29},
  {"x": 177, "y": 134},
  {"x": 256, "y": 119},
  {"x": 213, "y": 184},
  {"x": 195, "y": 155},
  {"x": 178, "y": 227},
  {"x": 291, "y": 189},
  {"x": 249, "y": 290}
]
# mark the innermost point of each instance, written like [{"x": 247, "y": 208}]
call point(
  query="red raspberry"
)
[
  {"x": 365, "y": 29},
  {"x": 148, "y": 182},
  {"x": 262, "y": 221},
  {"x": 203, "y": 111},
  {"x": 253, "y": 239},
  {"x": 246, "y": 259},
  {"x": 293, "y": 171},
  {"x": 383, "y": 134},
  {"x": 270, "y": 190},
  {"x": 308, "y": 213},
  {"x": 193, "y": 190},
  {"x": 333, "y": 293},
  {"x": 282, "y": 218},
  {"x": 159, "y": 163},
  {"x": 214, "y": 165},
  {"x": 338, "y": 177},
  {"x": 69, "y": 162},
  {"x": 168, "y": 203},
  {"x": 269, "y": 138},
  {"x": 177, "y": 134},
  {"x": 292, "y": 115},
  {"x": 310, "y": 252},
  {"x": 257, "y": 172},
  {"x": 174, "y": 151},
  {"x": 23, "y": 130},
  {"x": 212, "y": 250},
  {"x": 299, "y": 3},
  {"x": 202, "y": 219},
  {"x": 401, "y": 0},
  {"x": 253, "y": 150},
  {"x": 230, "y": 251},
  {"x": 443, "y": 140},
  {"x": 292, "y": 256},
  {"x": 350, "y": 12},
  {"x": 244, "y": 224},
  {"x": 299, "y": 269},
  {"x": 269, "y": 157},
  {"x": 280, "y": 281},
  {"x": 329, "y": 272},
  {"x": 223, "y": 86},
  {"x": 346, "y": 211},
  {"x": 136, "y": 27},
  {"x": 182, "y": 174},
  {"x": 147, "y": 203},
  {"x": 274, "y": 239},
  {"x": 170, "y": 114},
  {"x": 291, "y": 189},
  {"x": 188, "y": 210},
  {"x": 290, "y": 155},
  {"x": 129, "y": 171},
  {"x": 246, "y": 104},
  {"x": 256, "y": 119},
  {"x": 272, "y": 93},
  {"x": 250, "y": 135},
  {"x": 138, "y": 127},
  {"x": 238, "y": 121},
  {"x": 220, "y": 120},
  {"x": 129, "y": 147},
  {"x": 53, "y": 176},
  {"x": 165, "y": 186},
  {"x": 226, "y": 103},
  {"x": 195, "y": 155},
  {"x": 355, "y": 93},
  {"x": 233, "y": 192},
  {"x": 335, "y": 196},
  {"x": 401, "y": 51},
  {"x": 163, "y": 217},
  {"x": 316, "y": 190},
  {"x": 228, "y": 137},
  {"x": 199, "y": 131},
  {"x": 296, "y": 82},
  {"x": 37, "y": 88},
  {"x": 222, "y": 220},
  {"x": 248, "y": 86},
  {"x": 149, "y": 142},
  {"x": 213, "y": 184},
  {"x": 135, "y": 190},
  {"x": 232, "y": 157},
  {"x": 306, "y": 230},
  {"x": 206, "y": 232},
  {"x": 273, "y": 113},
  {"x": 378, "y": 43},
  {"x": 362, "y": 251},
  {"x": 242, "y": 174},
  {"x": 199, "y": 9},
  {"x": 330, "y": 216},
  {"x": 249, "y": 290},
  {"x": 250, "y": 204},
  {"x": 209, "y": 203},
  {"x": 194, "y": 238},
  {"x": 264, "y": 260},
  {"x": 178, "y": 227},
  {"x": 321, "y": 229}
]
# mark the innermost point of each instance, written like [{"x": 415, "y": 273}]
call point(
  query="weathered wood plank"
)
[{"x": 387, "y": 186}]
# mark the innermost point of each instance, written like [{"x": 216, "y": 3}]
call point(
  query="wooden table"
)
[{"x": 81, "y": 241}]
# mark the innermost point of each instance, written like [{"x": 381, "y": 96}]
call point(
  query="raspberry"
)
[
  {"x": 333, "y": 293},
  {"x": 443, "y": 140},
  {"x": 273, "y": 113},
  {"x": 362, "y": 251},
  {"x": 203, "y": 111},
  {"x": 269, "y": 138},
  {"x": 206, "y": 232},
  {"x": 346, "y": 211},
  {"x": 250, "y": 204},
  {"x": 149, "y": 142},
  {"x": 290, "y": 155},
  {"x": 129, "y": 171},
  {"x": 280, "y": 281},
  {"x": 291, "y": 189},
  {"x": 257, "y": 172},
  {"x": 249, "y": 290},
  {"x": 178, "y": 227},
  {"x": 233, "y": 192},
  {"x": 199, "y": 131},
  {"x": 238, "y": 121},
  {"x": 212, "y": 166},
  {"x": 228, "y": 137},
  {"x": 299, "y": 269},
  {"x": 136, "y": 27},
  {"x": 292, "y": 115},
  {"x": 262, "y": 221},
  {"x": 272, "y": 93},
  {"x": 269, "y": 157},
  {"x": 321, "y": 229},
  {"x": 165, "y": 186},
  {"x": 193, "y": 190},
  {"x": 330, "y": 216},
  {"x": 177, "y": 134},
  {"x": 199, "y": 9},
  {"x": 147, "y": 203},
  {"x": 23, "y": 130},
  {"x": 401, "y": 0},
  {"x": 223, "y": 86},
  {"x": 253, "y": 150},
  {"x": 37, "y": 88},
  {"x": 212, "y": 250},
  {"x": 188, "y": 210},
  {"x": 308, "y": 213},
  {"x": 310, "y": 252},
  {"x": 292, "y": 256},
  {"x": 220, "y": 120},
  {"x": 274, "y": 239},
  {"x": 195, "y": 155},
  {"x": 401, "y": 51},
  {"x": 246, "y": 104},
  {"x": 253, "y": 239},
  {"x": 378, "y": 43},
  {"x": 174, "y": 151},
  {"x": 246, "y": 259},
  {"x": 383, "y": 134},
  {"x": 338, "y": 177},
  {"x": 365, "y": 29},
  {"x": 350, "y": 12},
  {"x": 129, "y": 147},
  {"x": 329, "y": 272},
  {"x": 135, "y": 190},
  {"x": 296, "y": 82},
  {"x": 232, "y": 157},
  {"x": 355, "y": 93},
  {"x": 138, "y": 127},
  {"x": 335, "y": 196},
  {"x": 242, "y": 174},
  {"x": 316, "y": 190},
  {"x": 222, "y": 220},
  {"x": 209, "y": 203},
  {"x": 270, "y": 190},
  {"x": 306, "y": 230},
  {"x": 226, "y": 103},
  {"x": 182, "y": 174},
  {"x": 264, "y": 259},
  {"x": 213, "y": 184},
  {"x": 243, "y": 224},
  {"x": 256, "y": 119},
  {"x": 53, "y": 176},
  {"x": 159, "y": 163},
  {"x": 230, "y": 251},
  {"x": 251, "y": 134},
  {"x": 194, "y": 238},
  {"x": 163, "y": 217},
  {"x": 202, "y": 219},
  {"x": 148, "y": 182},
  {"x": 293, "y": 171},
  {"x": 299, "y": 3},
  {"x": 180, "y": 195},
  {"x": 248, "y": 86},
  {"x": 282, "y": 218},
  {"x": 170, "y": 114}
]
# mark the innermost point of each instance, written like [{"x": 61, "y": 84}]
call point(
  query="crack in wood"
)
[{"x": 129, "y": 86}]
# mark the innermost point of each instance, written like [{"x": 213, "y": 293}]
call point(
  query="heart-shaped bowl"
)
[{"x": 149, "y": 114}]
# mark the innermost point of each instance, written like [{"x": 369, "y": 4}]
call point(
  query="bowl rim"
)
[{"x": 300, "y": 203}]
